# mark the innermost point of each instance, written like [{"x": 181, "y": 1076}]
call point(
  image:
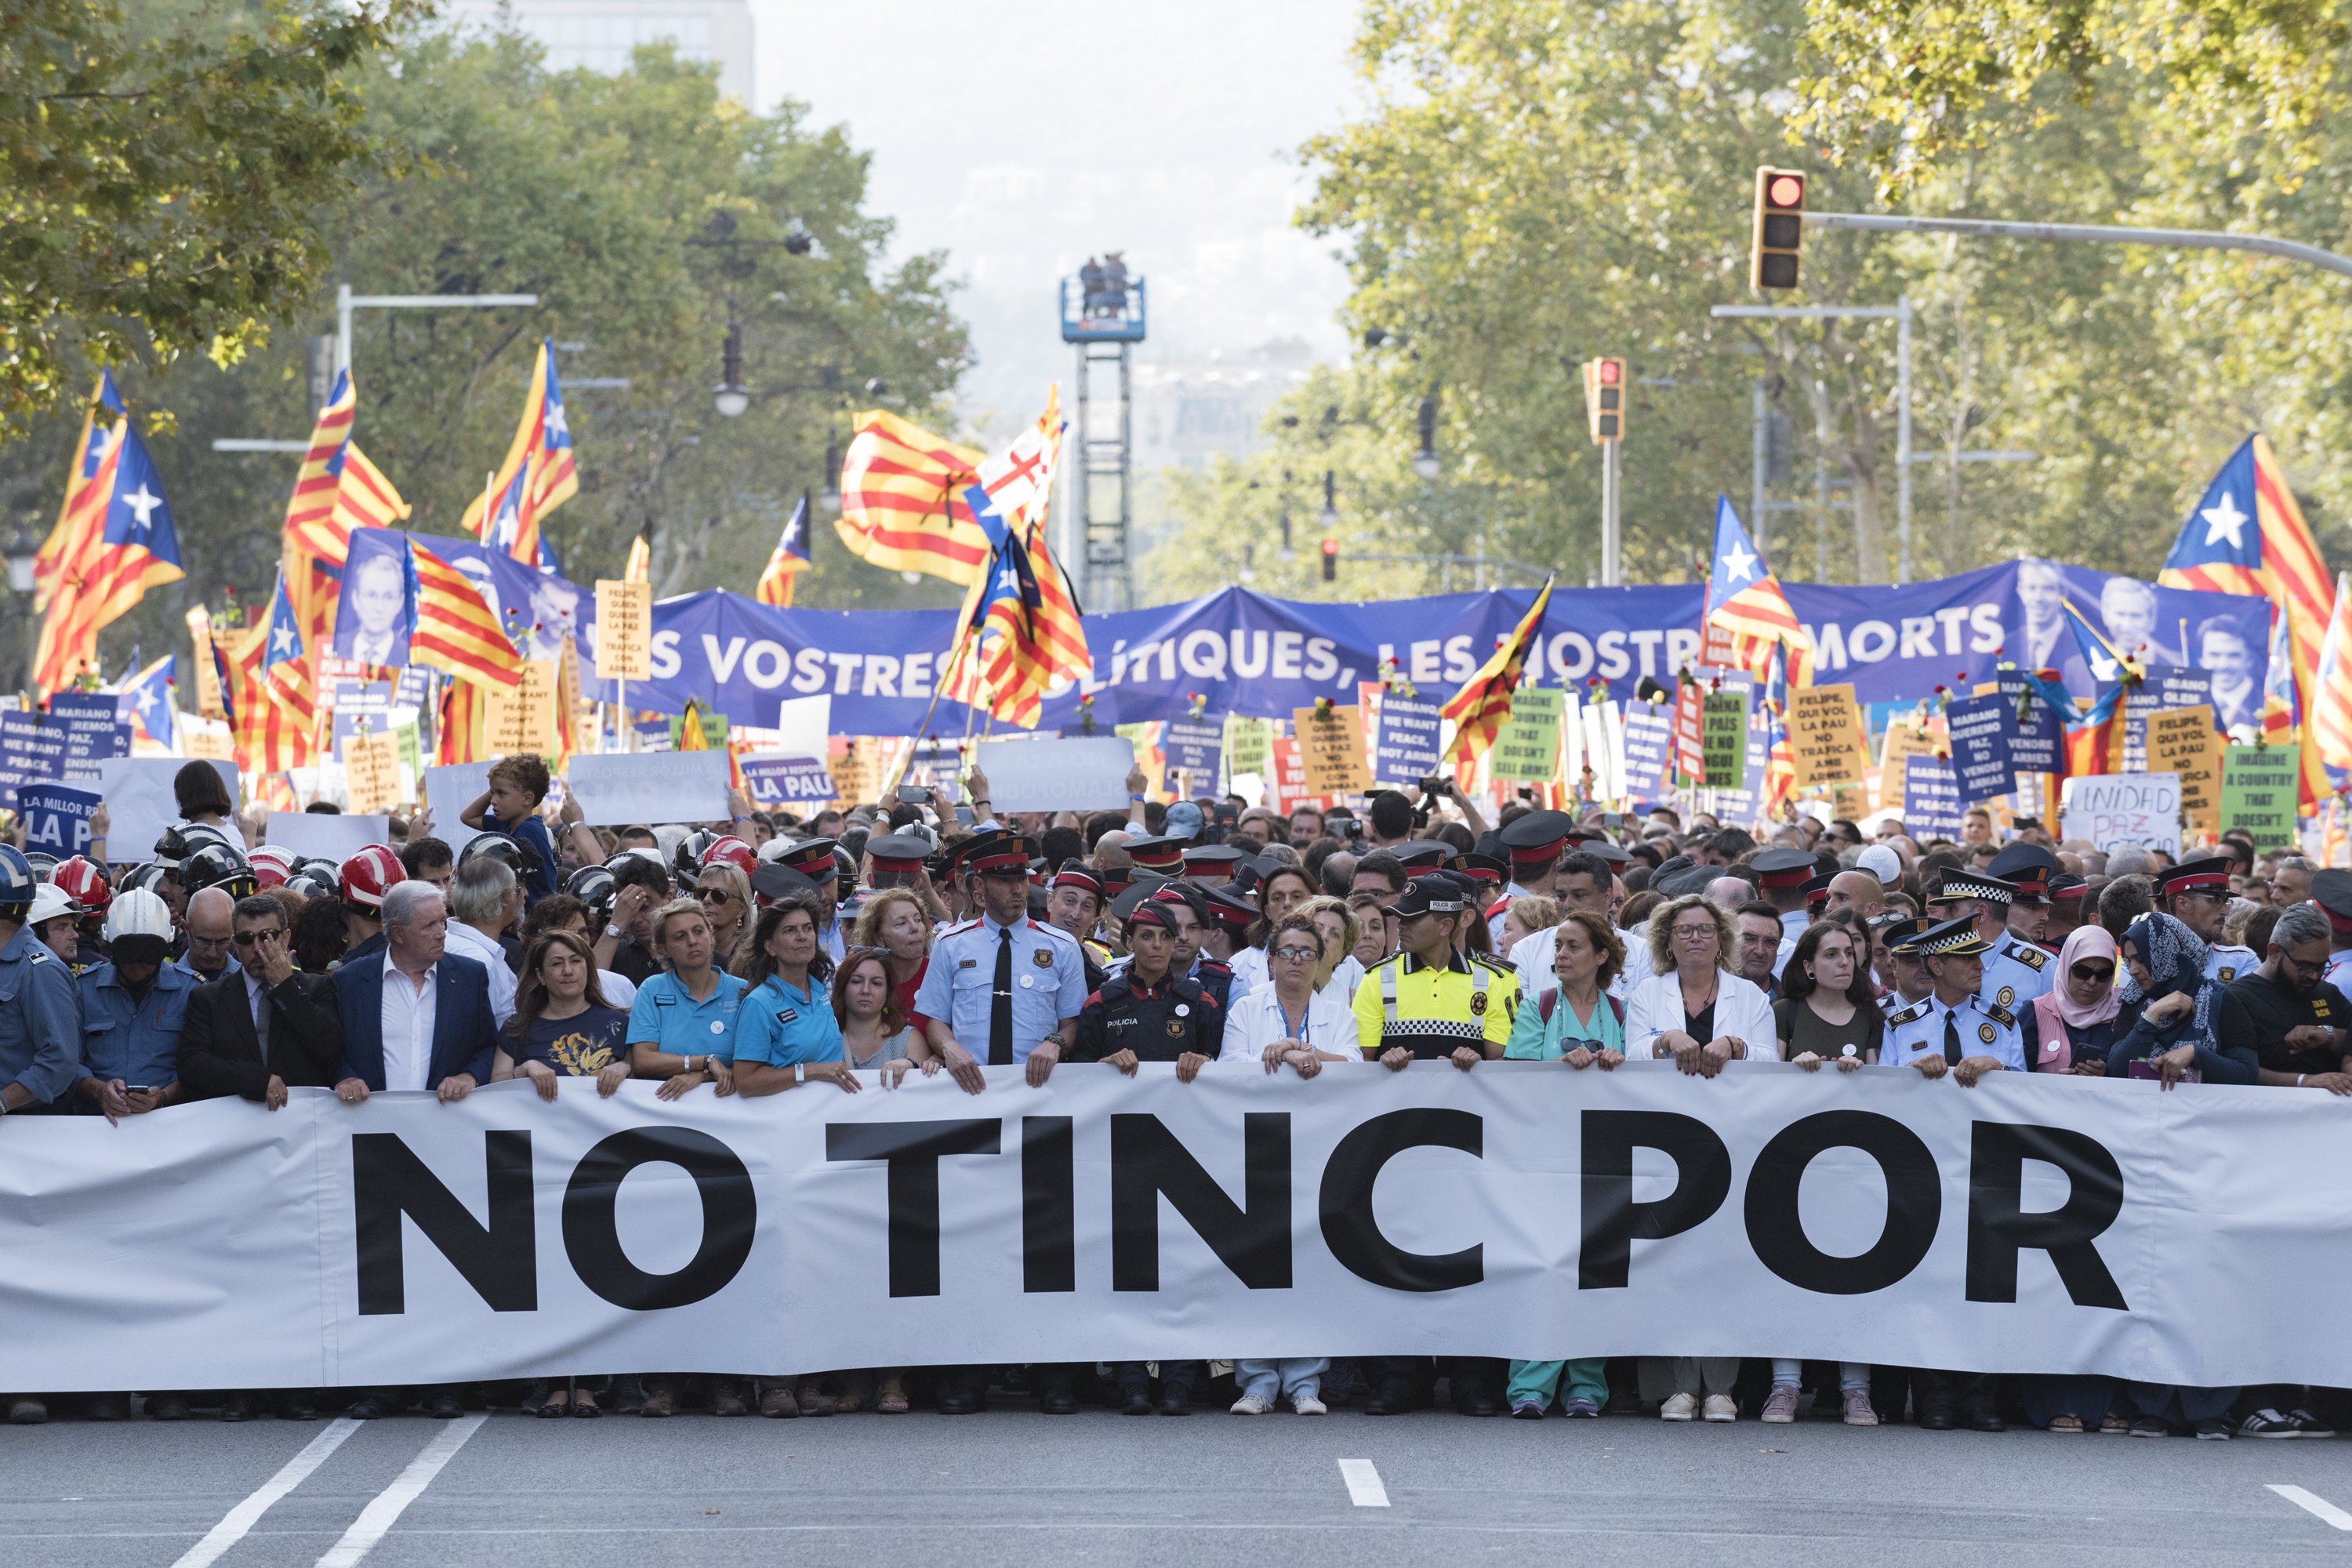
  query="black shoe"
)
[
  {"x": 298, "y": 1409},
  {"x": 1176, "y": 1401},
  {"x": 238, "y": 1408},
  {"x": 1390, "y": 1401},
  {"x": 1478, "y": 1405},
  {"x": 167, "y": 1406},
  {"x": 1137, "y": 1403},
  {"x": 956, "y": 1402},
  {"x": 1936, "y": 1419},
  {"x": 369, "y": 1408},
  {"x": 1057, "y": 1402},
  {"x": 445, "y": 1407},
  {"x": 1984, "y": 1420}
]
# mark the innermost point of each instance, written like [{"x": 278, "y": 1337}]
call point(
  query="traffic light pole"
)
[
  {"x": 1611, "y": 571},
  {"x": 2089, "y": 233}
]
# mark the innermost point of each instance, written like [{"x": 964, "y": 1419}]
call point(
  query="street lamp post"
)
[{"x": 23, "y": 551}]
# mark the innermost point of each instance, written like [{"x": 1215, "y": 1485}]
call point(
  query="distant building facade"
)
[
  {"x": 597, "y": 35},
  {"x": 1187, "y": 413}
]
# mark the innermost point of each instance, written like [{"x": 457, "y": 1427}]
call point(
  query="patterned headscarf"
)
[{"x": 2175, "y": 957}]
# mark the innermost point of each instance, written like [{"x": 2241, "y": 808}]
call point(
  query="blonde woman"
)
[
  {"x": 1525, "y": 916},
  {"x": 725, "y": 894},
  {"x": 895, "y": 920},
  {"x": 1338, "y": 971}
]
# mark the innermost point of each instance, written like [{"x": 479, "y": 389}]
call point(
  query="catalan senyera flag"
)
[
  {"x": 1017, "y": 486},
  {"x": 787, "y": 561},
  {"x": 2330, "y": 728},
  {"x": 79, "y": 514},
  {"x": 541, "y": 458},
  {"x": 135, "y": 547},
  {"x": 455, "y": 631},
  {"x": 280, "y": 728},
  {"x": 639, "y": 567},
  {"x": 1746, "y": 614},
  {"x": 2247, "y": 535},
  {"x": 902, "y": 500},
  {"x": 1483, "y": 706}
]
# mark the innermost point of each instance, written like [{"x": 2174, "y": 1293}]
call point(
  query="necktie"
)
[
  {"x": 1951, "y": 1040},
  {"x": 261, "y": 1023},
  {"x": 999, "y": 1006}
]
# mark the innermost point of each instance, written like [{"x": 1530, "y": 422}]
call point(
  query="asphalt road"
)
[{"x": 1015, "y": 1488}]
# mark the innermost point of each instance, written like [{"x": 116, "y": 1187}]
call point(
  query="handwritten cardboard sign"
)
[
  {"x": 1825, "y": 735},
  {"x": 2111, "y": 810},
  {"x": 2182, "y": 742},
  {"x": 625, "y": 631}
]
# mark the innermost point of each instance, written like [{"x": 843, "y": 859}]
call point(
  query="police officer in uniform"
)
[
  {"x": 40, "y": 1014},
  {"x": 1781, "y": 876},
  {"x": 1953, "y": 1029},
  {"x": 1074, "y": 900},
  {"x": 2196, "y": 894},
  {"x": 1535, "y": 841},
  {"x": 2332, "y": 892},
  {"x": 2015, "y": 972},
  {"x": 2028, "y": 868},
  {"x": 1432, "y": 1003}
]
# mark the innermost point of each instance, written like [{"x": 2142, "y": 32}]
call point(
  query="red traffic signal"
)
[
  {"x": 1604, "y": 398},
  {"x": 1609, "y": 372},
  {"x": 1330, "y": 561},
  {"x": 1779, "y": 229}
]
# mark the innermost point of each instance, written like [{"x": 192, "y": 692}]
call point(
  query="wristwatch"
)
[
  {"x": 800, "y": 1073},
  {"x": 612, "y": 930},
  {"x": 691, "y": 1068}
]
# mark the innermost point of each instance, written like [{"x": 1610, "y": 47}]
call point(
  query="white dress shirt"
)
[
  {"x": 1257, "y": 1021},
  {"x": 467, "y": 942},
  {"x": 1249, "y": 969},
  {"x": 1741, "y": 1011},
  {"x": 619, "y": 989},
  {"x": 408, "y": 1013}
]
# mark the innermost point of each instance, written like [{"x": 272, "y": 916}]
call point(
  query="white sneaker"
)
[
  {"x": 1721, "y": 1408},
  {"x": 1307, "y": 1405},
  {"x": 1251, "y": 1405},
  {"x": 1678, "y": 1407}
]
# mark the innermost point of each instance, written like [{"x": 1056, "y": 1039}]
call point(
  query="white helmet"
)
[
  {"x": 138, "y": 913},
  {"x": 49, "y": 901}
]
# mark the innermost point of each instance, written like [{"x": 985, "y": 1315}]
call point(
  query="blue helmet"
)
[{"x": 16, "y": 878}]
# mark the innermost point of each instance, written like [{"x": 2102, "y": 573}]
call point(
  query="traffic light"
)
[
  {"x": 1330, "y": 561},
  {"x": 1779, "y": 229},
  {"x": 1604, "y": 398}
]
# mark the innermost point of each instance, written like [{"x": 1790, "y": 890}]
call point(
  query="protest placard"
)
[
  {"x": 523, "y": 719},
  {"x": 2182, "y": 742},
  {"x": 1057, "y": 772},
  {"x": 2164, "y": 690},
  {"x": 56, "y": 818},
  {"x": 1405, "y": 741},
  {"x": 616, "y": 789},
  {"x": 2259, "y": 788},
  {"x": 449, "y": 790},
  {"x": 1979, "y": 730},
  {"x": 1825, "y": 735},
  {"x": 1648, "y": 749},
  {"x": 210, "y": 738},
  {"x": 1724, "y": 738},
  {"x": 1332, "y": 749},
  {"x": 1194, "y": 748},
  {"x": 1905, "y": 740},
  {"x": 1527, "y": 748},
  {"x": 32, "y": 751},
  {"x": 1286, "y": 786},
  {"x": 372, "y": 773},
  {"x": 1248, "y": 743},
  {"x": 140, "y": 801},
  {"x": 777, "y": 780},
  {"x": 2037, "y": 739},
  {"x": 2111, "y": 810},
  {"x": 803, "y": 723},
  {"x": 625, "y": 631},
  {"x": 1931, "y": 798},
  {"x": 1690, "y": 742},
  {"x": 331, "y": 838},
  {"x": 858, "y": 770}
]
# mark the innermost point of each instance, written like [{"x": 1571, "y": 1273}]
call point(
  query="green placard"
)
[
  {"x": 1249, "y": 746},
  {"x": 1723, "y": 739},
  {"x": 409, "y": 755},
  {"x": 1527, "y": 749},
  {"x": 2257, "y": 792},
  {"x": 714, "y": 728}
]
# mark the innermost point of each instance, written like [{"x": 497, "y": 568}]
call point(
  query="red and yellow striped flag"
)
[
  {"x": 455, "y": 631},
  {"x": 81, "y": 515},
  {"x": 541, "y": 453},
  {"x": 902, "y": 504},
  {"x": 1483, "y": 706}
]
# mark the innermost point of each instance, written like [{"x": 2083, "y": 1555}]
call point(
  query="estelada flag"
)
[
  {"x": 1746, "y": 614},
  {"x": 135, "y": 546},
  {"x": 2247, "y": 535},
  {"x": 539, "y": 457},
  {"x": 102, "y": 427},
  {"x": 787, "y": 562},
  {"x": 280, "y": 728},
  {"x": 1483, "y": 706},
  {"x": 902, "y": 500}
]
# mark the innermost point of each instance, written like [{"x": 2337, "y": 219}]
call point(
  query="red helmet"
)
[
  {"x": 735, "y": 852},
  {"x": 80, "y": 880},
  {"x": 367, "y": 876},
  {"x": 271, "y": 865}
]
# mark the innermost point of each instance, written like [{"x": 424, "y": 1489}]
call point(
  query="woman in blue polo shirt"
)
[
  {"x": 786, "y": 1033},
  {"x": 682, "y": 1024}
]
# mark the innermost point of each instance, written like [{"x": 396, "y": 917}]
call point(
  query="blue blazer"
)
[{"x": 465, "y": 1038}]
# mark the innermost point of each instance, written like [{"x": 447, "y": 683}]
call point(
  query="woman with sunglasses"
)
[
  {"x": 725, "y": 894},
  {"x": 2071, "y": 1027}
]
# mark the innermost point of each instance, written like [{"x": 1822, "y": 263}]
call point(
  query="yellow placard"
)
[
  {"x": 372, "y": 772},
  {"x": 1331, "y": 750},
  {"x": 2181, "y": 741},
  {"x": 625, "y": 631},
  {"x": 522, "y": 719},
  {"x": 1902, "y": 740},
  {"x": 1825, "y": 735}
]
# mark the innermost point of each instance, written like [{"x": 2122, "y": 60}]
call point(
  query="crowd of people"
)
[{"x": 768, "y": 954}]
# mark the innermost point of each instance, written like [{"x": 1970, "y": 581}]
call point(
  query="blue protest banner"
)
[
  {"x": 2037, "y": 739},
  {"x": 787, "y": 781},
  {"x": 55, "y": 817},
  {"x": 1196, "y": 747},
  {"x": 1649, "y": 747},
  {"x": 32, "y": 751},
  {"x": 1931, "y": 799},
  {"x": 1980, "y": 728},
  {"x": 1404, "y": 741}
]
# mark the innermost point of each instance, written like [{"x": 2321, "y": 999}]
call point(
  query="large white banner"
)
[{"x": 2039, "y": 1224}]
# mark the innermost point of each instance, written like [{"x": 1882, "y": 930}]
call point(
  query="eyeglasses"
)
[
  {"x": 2100, "y": 971},
  {"x": 1295, "y": 955},
  {"x": 1695, "y": 933},
  {"x": 714, "y": 895},
  {"x": 247, "y": 937}
]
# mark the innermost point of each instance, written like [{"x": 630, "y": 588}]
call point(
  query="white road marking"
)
[
  {"x": 1364, "y": 1489},
  {"x": 247, "y": 1514},
  {"x": 2320, "y": 1508},
  {"x": 387, "y": 1505}
]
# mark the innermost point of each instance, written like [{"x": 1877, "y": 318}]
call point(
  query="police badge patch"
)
[
  {"x": 2005, "y": 995},
  {"x": 1175, "y": 1028},
  {"x": 1478, "y": 1002},
  {"x": 2229, "y": 972},
  {"x": 1987, "y": 1032},
  {"x": 1042, "y": 957}
]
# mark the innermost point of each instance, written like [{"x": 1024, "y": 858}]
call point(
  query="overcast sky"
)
[{"x": 1021, "y": 143}]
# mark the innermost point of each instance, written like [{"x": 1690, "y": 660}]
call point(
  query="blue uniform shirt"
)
[
  {"x": 666, "y": 1016},
  {"x": 1985, "y": 1030},
  {"x": 136, "y": 1041},
  {"x": 531, "y": 834},
  {"x": 781, "y": 1026},
  {"x": 1049, "y": 983},
  {"x": 2015, "y": 972},
  {"x": 40, "y": 1019}
]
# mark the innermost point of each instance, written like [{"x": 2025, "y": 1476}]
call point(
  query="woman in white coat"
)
[{"x": 1696, "y": 1011}]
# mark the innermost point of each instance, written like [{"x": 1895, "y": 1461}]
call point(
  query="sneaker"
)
[
  {"x": 2268, "y": 1422},
  {"x": 1528, "y": 1410},
  {"x": 1252, "y": 1405},
  {"x": 2149, "y": 1427},
  {"x": 1582, "y": 1409},
  {"x": 1779, "y": 1406},
  {"x": 1722, "y": 1407},
  {"x": 2212, "y": 1429},
  {"x": 1858, "y": 1411},
  {"x": 1307, "y": 1405},
  {"x": 2306, "y": 1424},
  {"x": 1678, "y": 1407}
]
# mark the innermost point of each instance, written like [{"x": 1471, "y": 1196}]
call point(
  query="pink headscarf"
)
[{"x": 2058, "y": 1009}]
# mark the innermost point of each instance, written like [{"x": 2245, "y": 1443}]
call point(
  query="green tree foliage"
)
[{"x": 157, "y": 193}]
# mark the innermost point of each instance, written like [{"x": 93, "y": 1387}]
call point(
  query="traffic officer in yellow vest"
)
[{"x": 1432, "y": 1001}]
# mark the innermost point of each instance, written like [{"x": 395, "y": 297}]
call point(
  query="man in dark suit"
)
[
  {"x": 414, "y": 1019},
  {"x": 265, "y": 1028}
]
